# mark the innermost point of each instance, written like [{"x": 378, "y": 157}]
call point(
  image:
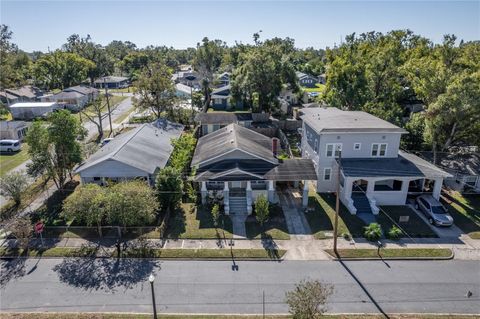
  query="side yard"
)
[
  {"x": 465, "y": 210},
  {"x": 9, "y": 161}
]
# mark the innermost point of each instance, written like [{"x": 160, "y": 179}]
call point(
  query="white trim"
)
[
  {"x": 235, "y": 170},
  {"x": 232, "y": 150},
  {"x": 378, "y": 150},
  {"x": 333, "y": 150},
  {"x": 329, "y": 174},
  {"x": 359, "y": 146}
]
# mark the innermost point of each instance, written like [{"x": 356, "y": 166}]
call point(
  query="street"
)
[{"x": 108, "y": 285}]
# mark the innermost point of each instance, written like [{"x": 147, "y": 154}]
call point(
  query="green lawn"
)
[
  {"x": 320, "y": 88},
  {"x": 393, "y": 253},
  {"x": 321, "y": 219},
  {"x": 195, "y": 222},
  {"x": 9, "y": 161},
  {"x": 124, "y": 115},
  {"x": 465, "y": 210},
  {"x": 274, "y": 228},
  {"x": 415, "y": 227}
]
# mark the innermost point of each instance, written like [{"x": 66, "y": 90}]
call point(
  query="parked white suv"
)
[
  {"x": 434, "y": 211},
  {"x": 10, "y": 145}
]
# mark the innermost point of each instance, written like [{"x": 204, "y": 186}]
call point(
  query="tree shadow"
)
[
  {"x": 270, "y": 246},
  {"x": 176, "y": 224},
  {"x": 11, "y": 269},
  {"x": 107, "y": 274}
]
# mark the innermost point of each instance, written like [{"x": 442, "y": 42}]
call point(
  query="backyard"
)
[{"x": 465, "y": 210}]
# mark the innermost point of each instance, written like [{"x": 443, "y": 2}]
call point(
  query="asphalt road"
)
[{"x": 212, "y": 287}]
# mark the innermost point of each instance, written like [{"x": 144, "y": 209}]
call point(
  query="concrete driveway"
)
[{"x": 442, "y": 232}]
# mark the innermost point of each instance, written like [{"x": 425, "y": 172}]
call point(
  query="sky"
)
[{"x": 43, "y": 25}]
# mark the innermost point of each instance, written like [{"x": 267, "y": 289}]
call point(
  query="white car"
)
[{"x": 10, "y": 146}]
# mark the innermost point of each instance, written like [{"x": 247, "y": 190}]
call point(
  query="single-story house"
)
[
  {"x": 90, "y": 92},
  {"x": 238, "y": 164},
  {"x": 72, "y": 100},
  {"x": 306, "y": 80},
  {"x": 183, "y": 91},
  {"x": 213, "y": 121},
  {"x": 190, "y": 78},
  {"x": 13, "y": 130},
  {"x": 136, "y": 154},
  {"x": 464, "y": 167},
  {"x": 112, "y": 82},
  {"x": 31, "y": 110},
  {"x": 27, "y": 93}
]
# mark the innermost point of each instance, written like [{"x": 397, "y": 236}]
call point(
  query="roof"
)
[
  {"x": 81, "y": 89},
  {"x": 462, "y": 163},
  {"x": 9, "y": 125},
  {"x": 183, "y": 88},
  {"x": 223, "y": 118},
  {"x": 69, "y": 95},
  {"x": 406, "y": 164},
  {"x": 146, "y": 147},
  {"x": 221, "y": 89},
  {"x": 221, "y": 75},
  {"x": 230, "y": 138},
  {"x": 26, "y": 91},
  {"x": 293, "y": 170},
  {"x": 33, "y": 104},
  {"x": 331, "y": 119},
  {"x": 111, "y": 79}
]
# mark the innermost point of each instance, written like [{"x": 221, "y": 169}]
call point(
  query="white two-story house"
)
[{"x": 373, "y": 170}]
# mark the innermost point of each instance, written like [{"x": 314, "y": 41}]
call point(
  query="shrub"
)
[
  {"x": 13, "y": 185},
  {"x": 261, "y": 209},
  {"x": 373, "y": 232},
  {"x": 394, "y": 232},
  {"x": 215, "y": 214},
  {"x": 308, "y": 299}
]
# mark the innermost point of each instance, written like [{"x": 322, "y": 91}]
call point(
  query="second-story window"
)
[
  {"x": 379, "y": 149},
  {"x": 357, "y": 146},
  {"x": 334, "y": 150}
]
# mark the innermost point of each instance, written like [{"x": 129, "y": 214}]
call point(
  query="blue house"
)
[{"x": 221, "y": 99}]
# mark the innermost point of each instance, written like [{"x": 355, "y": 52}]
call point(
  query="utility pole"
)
[
  {"x": 108, "y": 107},
  {"x": 337, "y": 203}
]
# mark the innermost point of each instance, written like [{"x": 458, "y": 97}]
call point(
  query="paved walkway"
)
[
  {"x": 238, "y": 225},
  {"x": 297, "y": 224}
]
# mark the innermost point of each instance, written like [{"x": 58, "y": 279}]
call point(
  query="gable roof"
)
[
  {"x": 231, "y": 138},
  {"x": 69, "y": 95},
  {"x": 81, "y": 89},
  {"x": 331, "y": 119},
  {"x": 146, "y": 148},
  {"x": 28, "y": 91},
  {"x": 223, "y": 118},
  {"x": 221, "y": 90}
]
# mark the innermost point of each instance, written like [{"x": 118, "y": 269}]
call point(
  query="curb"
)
[
  {"x": 392, "y": 258},
  {"x": 146, "y": 258}
]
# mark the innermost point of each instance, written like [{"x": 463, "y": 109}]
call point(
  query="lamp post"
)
[{"x": 152, "y": 279}]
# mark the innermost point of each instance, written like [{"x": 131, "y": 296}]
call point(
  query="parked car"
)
[
  {"x": 10, "y": 146},
  {"x": 434, "y": 211}
]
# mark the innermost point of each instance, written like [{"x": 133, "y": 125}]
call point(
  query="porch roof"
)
[{"x": 404, "y": 165}]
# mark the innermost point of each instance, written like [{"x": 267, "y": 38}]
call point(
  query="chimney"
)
[{"x": 274, "y": 146}]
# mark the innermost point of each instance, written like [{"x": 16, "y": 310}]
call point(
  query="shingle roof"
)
[
  {"x": 230, "y": 138},
  {"x": 147, "y": 148},
  {"x": 81, "y": 89},
  {"x": 69, "y": 95},
  {"x": 26, "y": 91},
  {"x": 331, "y": 119},
  {"x": 221, "y": 89},
  {"x": 111, "y": 79},
  {"x": 406, "y": 164}
]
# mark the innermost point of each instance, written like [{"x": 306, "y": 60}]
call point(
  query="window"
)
[
  {"x": 357, "y": 146},
  {"x": 327, "y": 174},
  {"x": 379, "y": 149},
  {"x": 334, "y": 149}
]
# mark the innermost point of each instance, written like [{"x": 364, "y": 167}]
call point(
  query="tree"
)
[
  {"x": 14, "y": 63},
  {"x": 96, "y": 108},
  {"x": 208, "y": 59},
  {"x": 54, "y": 148},
  {"x": 131, "y": 203},
  {"x": 183, "y": 148},
  {"x": 156, "y": 89},
  {"x": 169, "y": 188},
  {"x": 215, "y": 214},
  {"x": 61, "y": 69},
  {"x": 261, "y": 209},
  {"x": 21, "y": 228},
  {"x": 13, "y": 185},
  {"x": 308, "y": 299},
  {"x": 88, "y": 205}
]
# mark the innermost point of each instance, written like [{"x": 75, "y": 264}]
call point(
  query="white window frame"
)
[
  {"x": 355, "y": 146},
  {"x": 333, "y": 149},
  {"x": 379, "y": 146},
  {"x": 329, "y": 174}
]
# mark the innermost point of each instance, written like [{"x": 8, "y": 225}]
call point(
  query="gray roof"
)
[
  {"x": 81, "y": 89},
  {"x": 293, "y": 170},
  {"x": 221, "y": 89},
  {"x": 462, "y": 163},
  {"x": 230, "y": 138},
  {"x": 331, "y": 119},
  {"x": 28, "y": 91},
  {"x": 111, "y": 79},
  {"x": 10, "y": 125},
  {"x": 406, "y": 164},
  {"x": 69, "y": 95},
  {"x": 146, "y": 148},
  {"x": 222, "y": 118}
]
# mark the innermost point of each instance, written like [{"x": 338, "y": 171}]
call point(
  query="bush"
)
[
  {"x": 372, "y": 232},
  {"x": 394, "y": 232}
]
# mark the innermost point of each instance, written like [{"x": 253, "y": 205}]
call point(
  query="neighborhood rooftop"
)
[
  {"x": 331, "y": 119},
  {"x": 111, "y": 79},
  {"x": 33, "y": 104},
  {"x": 223, "y": 118}
]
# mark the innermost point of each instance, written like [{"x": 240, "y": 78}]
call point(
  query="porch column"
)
[
  {"x": 204, "y": 192},
  {"x": 370, "y": 187},
  {"x": 305, "y": 194},
  {"x": 226, "y": 199},
  {"x": 437, "y": 188},
  {"x": 249, "y": 197},
  {"x": 271, "y": 191},
  {"x": 347, "y": 189}
]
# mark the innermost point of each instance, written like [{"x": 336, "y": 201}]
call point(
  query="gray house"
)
[
  {"x": 111, "y": 82},
  {"x": 306, "y": 80},
  {"x": 27, "y": 93},
  {"x": 139, "y": 153},
  {"x": 237, "y": 164},
  {"x": 373, "y": 171}
]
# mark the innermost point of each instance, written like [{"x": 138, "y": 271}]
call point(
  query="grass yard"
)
[
  {"x": 195, "y": 222},
  {"x": 130, "y": 89},
  {"x": 393, "y": 253},
  {"x": 9, "y": 161},
  {"x": 274, "y": 228},
  {"x": 415, "y": 227},
  {"x": 321, "y": 218},
  {"x": 465, "y": 210},
  {"x": 319, "y": 89},
  {"x": 124, "y": 115}
]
